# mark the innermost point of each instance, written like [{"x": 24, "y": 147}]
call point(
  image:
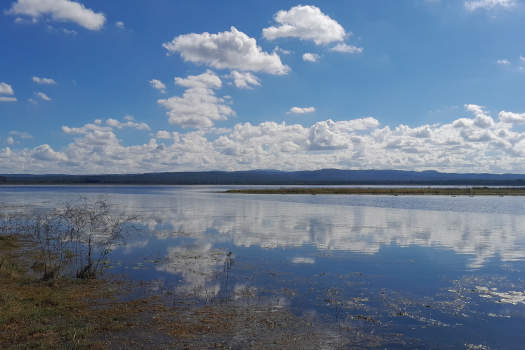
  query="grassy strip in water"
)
[{"x": 398, "y": 191}]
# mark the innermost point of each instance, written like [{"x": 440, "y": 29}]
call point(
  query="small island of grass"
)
[{"x": 397, "y": 191}]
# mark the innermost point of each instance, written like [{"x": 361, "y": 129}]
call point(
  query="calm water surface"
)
[{"x": 439, "y": 272}]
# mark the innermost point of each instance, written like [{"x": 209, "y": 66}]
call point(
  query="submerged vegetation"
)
[
  {"x": 453, "y": 191},
  {"x": 74, "y": 240}
]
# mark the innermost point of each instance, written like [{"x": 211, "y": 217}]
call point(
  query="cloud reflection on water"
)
[
  {"x": 360, "y": 229},
  {"x": 198, "y": 266}
]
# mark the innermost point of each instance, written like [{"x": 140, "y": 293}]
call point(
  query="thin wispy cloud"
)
[
  {"x": 158, "y": 85},
  {"x": 345, "y": 48},
  {"x": 7, "y": 99},
  {"x": 301, "y": 110},
  {"x": 43, "y": 96},
  {"x": 474, "y": 5},
  {"x": 44, "y": 81}
]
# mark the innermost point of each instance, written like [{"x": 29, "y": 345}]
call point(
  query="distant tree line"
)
[{"x": 273, "y": 177}]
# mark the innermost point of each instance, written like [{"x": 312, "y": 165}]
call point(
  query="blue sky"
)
[{"x": 109, "y": 87}]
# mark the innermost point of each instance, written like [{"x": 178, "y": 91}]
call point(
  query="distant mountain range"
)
[{"x": 274, "y": 177}]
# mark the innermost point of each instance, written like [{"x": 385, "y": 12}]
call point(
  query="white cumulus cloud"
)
[
  {"x": 206, "y": 80},
  {"x": 503, "y": 62},
  {"x": 305, "y": 23},
  {"x": 244, "y": 80},
  {"x": 163, "y": 134},
  {"x": 482, "y": 120},
  {"x": 120, "y": 25},
  {"x": 476, "y": 143},
  {"x": 59, "y": 10},
  {"x": 6, "y": 89},
  {"x": 226, "y": 50},
  {"x": 198, "y": 107},
  {"x": 510, "y": 117},
  {"x": 325, "y": 135},
  {"x": 310, "y": 57},
  {"x": 47, "y": 154}
]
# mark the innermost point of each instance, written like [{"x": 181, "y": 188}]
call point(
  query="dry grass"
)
[{"x": 65, "y": 313}]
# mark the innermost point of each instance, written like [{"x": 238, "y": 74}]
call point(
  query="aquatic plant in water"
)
[{"x": 74, "y": 240}]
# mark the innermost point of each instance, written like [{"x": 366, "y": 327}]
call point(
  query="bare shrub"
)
[
  {"x": 74, "y": 240},
  {"x": 93, "y": 232}
]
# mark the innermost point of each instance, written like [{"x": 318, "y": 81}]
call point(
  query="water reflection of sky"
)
[
  {"x": 482, "y": 227},
  {"x": 460, "y": 255},
  {"x": 330, "y": 223}
]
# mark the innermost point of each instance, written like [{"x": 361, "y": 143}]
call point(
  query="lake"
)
[{"x": 413, "y": 271}]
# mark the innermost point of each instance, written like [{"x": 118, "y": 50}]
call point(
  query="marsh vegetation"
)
[
  {"x": 49, "y": 263},
  {"x": 395, "y": 191},
  {"x": 73, "y": 240}
]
